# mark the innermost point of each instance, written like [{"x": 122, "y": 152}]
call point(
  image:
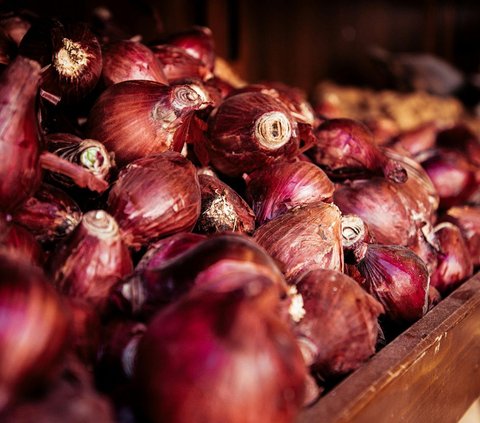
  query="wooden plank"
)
[{"x": 430, "y": 373}]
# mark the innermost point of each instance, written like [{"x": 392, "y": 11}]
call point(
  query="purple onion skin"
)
[
  {"x": 219, "y": 358},
  {"x": 398, "y": 279},
  {"x": 19, "y": 143},
  {"x": 345, "y": 148},
  {"x": 33, "y": 329},
  {"x": 129, "y": 60},
  {"x": 223, "y": 210},
  {"x": 50, "y": 215},
  {"x": 20, "y": 243},
  {"x": 276, "y": 189},
  {"x": 454, "y": 261},
  {"x": 155, "y": 197},
  {"x": 247, "y": 132},
  {"x": 303, "y": 238},
  {"x": 222, "y": 263},
  {"x": 340, "y": 320}
]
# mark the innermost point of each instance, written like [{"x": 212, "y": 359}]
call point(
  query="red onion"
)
[
  {"x": 397, "y": 278},
  {"x": 93, "y": 260},
  {"x": 276, "y": 189},
  {"x": 303, "y": 238},
  {"x": 222, "y": 208},
  {"x": 461, "y": 138},
  {"x": 223, "y": 88},
  {"x": 197, "y": 42},
  {"x": 50, "y": 214},
  {"x": 178, "y": 64},
  {"x": 20, "y": 243},
  {"x": 33, "y": 329},
  {"x": 340, "y": 320},
  {"x": 154, "y": 197},
  {"x": 454, "y": 178},
  {"x": 130, "y": 60},
  {"x": 222, "y": 263},
  {"x": 137, "y": 118},
  {"x": 19, "y": 144},
  {"x": 454, "y": 262},
  {"x": 468, "y": 220},
  {"x": 416, "y": 140},
  {"x": 345, "y": 148},
  {"x": 219, "y": 357},
  {"x": 247, "y": 132}
]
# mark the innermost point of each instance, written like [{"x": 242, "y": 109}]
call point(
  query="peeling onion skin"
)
[
  {"x": 455, "y": 264},
  {"x": 398, "y": 279},
  {"x": 138, "y": 118},
  {"x": 223, "y": 210},
  {"x": 154, "y": 197},
  {"x": 219, "y": 357},
  {"x": 467, "y": 218},
  {"x": 93, "y": 260},
  {"x": 275, "y": 189},
  {"x": 303, "y": 238},
  {"x": 247, "y": 132},
  {"x": 19, "y": 142},
  {"x": 340, "y": 320}
]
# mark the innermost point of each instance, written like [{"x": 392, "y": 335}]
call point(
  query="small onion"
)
[
  {"x": 340, "y": 320},
  {"x": 93, "y": 260},
  {"x": 33, "y": 329},
  {"x": 137, "y": 118},
  {"x": 130, "y": 60},
  {"x": 303, "y": 238},
  {"x": 154, "y": 197},
  {"x": 276, "y": 189},
  {"x": 219, "y": 357},
  {"x": 454, "y": 262},
  {"x": 416, "y": 140},
  {"x": 247, "y": 132}
]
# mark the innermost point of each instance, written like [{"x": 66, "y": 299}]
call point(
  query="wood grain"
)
[{"x": 430, "y": 373}]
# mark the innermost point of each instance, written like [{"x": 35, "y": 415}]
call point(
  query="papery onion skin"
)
[
  {"x": 249, "y": 131},
  {"x": 50, "y": 214},
  {"x": 219, "y": 358},
  {"x": 129, "y": 60},
  {"x": 19, "y": 143},
  {"x": 467, "y": 218},
  {"x": 224, "y": 262},
  {"x": 340, "y": 320},
  {"x": 33, "y": 329},
  {"x": 138, "y": 118},
  {"x": 19, "y": 243},
  {"x": 345, "y": 148},
  {"x": 154, "y": 197},
  {"x": 304, "y": 237},
  {"x": 223, "y": 210},
  {"x": 93, "y": 260},
  {"x": 398, "y": 279},
  {"x": 275, "y": 189},
  {"x": 454, "y": 262}
]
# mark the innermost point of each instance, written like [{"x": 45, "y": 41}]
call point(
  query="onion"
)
[
  {"x": 154, "y": 197},
  {"x": 276, "y": 189},
  {"x": 455, "y": 264},
  {"x": 468, "y": 220},
  {"x": 178, "y": 64},
  {"x": 8, "y": 50},
  {"x": 416, "y": 140},
  {"x": 50, "y": 214},
  {"x": 222, "y": 263},
  {"x": 130, "y": 60},
  {"x": 137, "y": 118},
  {"x": 339, "y": 319},
  {"x": 222, "y": 208},
  {"x": 303, "y": 238},
  {"x": 223, "y": 88},
  {"x": 219, "y": 357},
  {"x": 19, "y": 144},
  {"x": 462, "y": 139},
  {"x": 345, "y": 148},
  {"x": 33, "y": 329},
  {"x": 93, "y": 260},
  {"x": 20, "y": 243},
  {"x": 247, "y": 132},
  {"x": 15, "y": 25}
]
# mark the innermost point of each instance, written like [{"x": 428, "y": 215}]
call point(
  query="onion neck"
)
[
  {"x": 100, "y": 224},
  {"x": 353, "y": 231},
  {"x": 94, "y": 158},
  {"x": 273, "y": 130},
  {"x": 71, "y": 59}
]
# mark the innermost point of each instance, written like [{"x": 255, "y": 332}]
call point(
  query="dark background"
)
[{"x": 304, "y": 41}]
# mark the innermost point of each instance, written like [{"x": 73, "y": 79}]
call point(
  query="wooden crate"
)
[{"x": 430, "y": 373}]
